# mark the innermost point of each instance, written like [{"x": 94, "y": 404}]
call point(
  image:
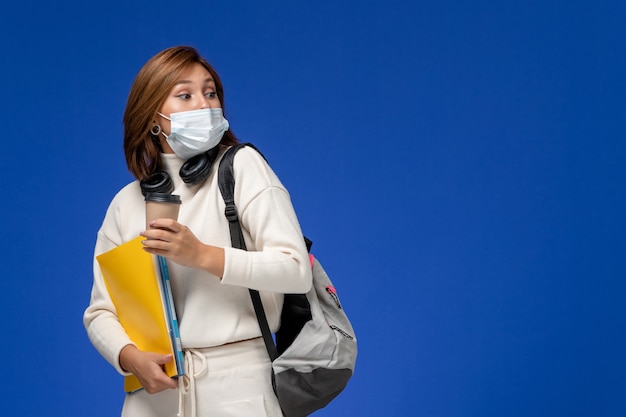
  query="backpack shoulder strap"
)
[{"x": 226, "y": 183}]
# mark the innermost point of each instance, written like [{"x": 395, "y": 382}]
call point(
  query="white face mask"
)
[{"x": 196, "y": 131}]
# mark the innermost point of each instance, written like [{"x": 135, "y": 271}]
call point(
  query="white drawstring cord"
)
[
  {"x": 187, "y": 382},
  {"x": 181, "y": 398}
]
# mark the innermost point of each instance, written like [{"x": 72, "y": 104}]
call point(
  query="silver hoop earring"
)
[{"x": 156, "y": 129}]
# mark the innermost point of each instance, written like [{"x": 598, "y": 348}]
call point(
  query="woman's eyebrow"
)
[{"x": 206, "y": 81}]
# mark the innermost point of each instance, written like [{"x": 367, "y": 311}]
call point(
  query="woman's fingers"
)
[
  {"x": 167, "y": 224},
  {"x": 173, "y": 240}
]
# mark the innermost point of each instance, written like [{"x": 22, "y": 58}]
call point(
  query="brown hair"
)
[{"x": 151, "y": 87}]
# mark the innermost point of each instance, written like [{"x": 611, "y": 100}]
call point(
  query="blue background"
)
[{"x": 459, "y": 165}]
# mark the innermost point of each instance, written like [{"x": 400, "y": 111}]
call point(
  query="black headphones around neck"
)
[{"x": 194, "y": 171}]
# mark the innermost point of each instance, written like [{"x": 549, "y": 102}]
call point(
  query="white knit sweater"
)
[{"x": 211, "y": 311}]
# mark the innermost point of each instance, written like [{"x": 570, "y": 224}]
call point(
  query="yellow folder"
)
[{"x": 131, "y": 278}]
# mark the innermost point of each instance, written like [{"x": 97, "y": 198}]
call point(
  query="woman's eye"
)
[
  {"x": 184, "y": 96},
  {"x": 211, "y": 94}
]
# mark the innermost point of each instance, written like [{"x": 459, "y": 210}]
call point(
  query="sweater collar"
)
[{"x": 172, "y": 163}]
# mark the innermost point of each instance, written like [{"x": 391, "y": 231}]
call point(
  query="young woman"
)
[{"x": 175, "y": 133}]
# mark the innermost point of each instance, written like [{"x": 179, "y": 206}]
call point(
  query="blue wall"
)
[{"x": 459, "y": 165}]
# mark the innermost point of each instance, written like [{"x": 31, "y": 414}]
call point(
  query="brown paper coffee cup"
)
[{"x": 161, "y": 206}]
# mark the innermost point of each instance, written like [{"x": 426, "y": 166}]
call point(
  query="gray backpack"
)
[{"x": 315, "y": 350}]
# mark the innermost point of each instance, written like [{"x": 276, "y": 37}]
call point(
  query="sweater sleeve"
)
[
  {"x": 100, "y": 318},
  {"x": 277, "y": 259}
]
